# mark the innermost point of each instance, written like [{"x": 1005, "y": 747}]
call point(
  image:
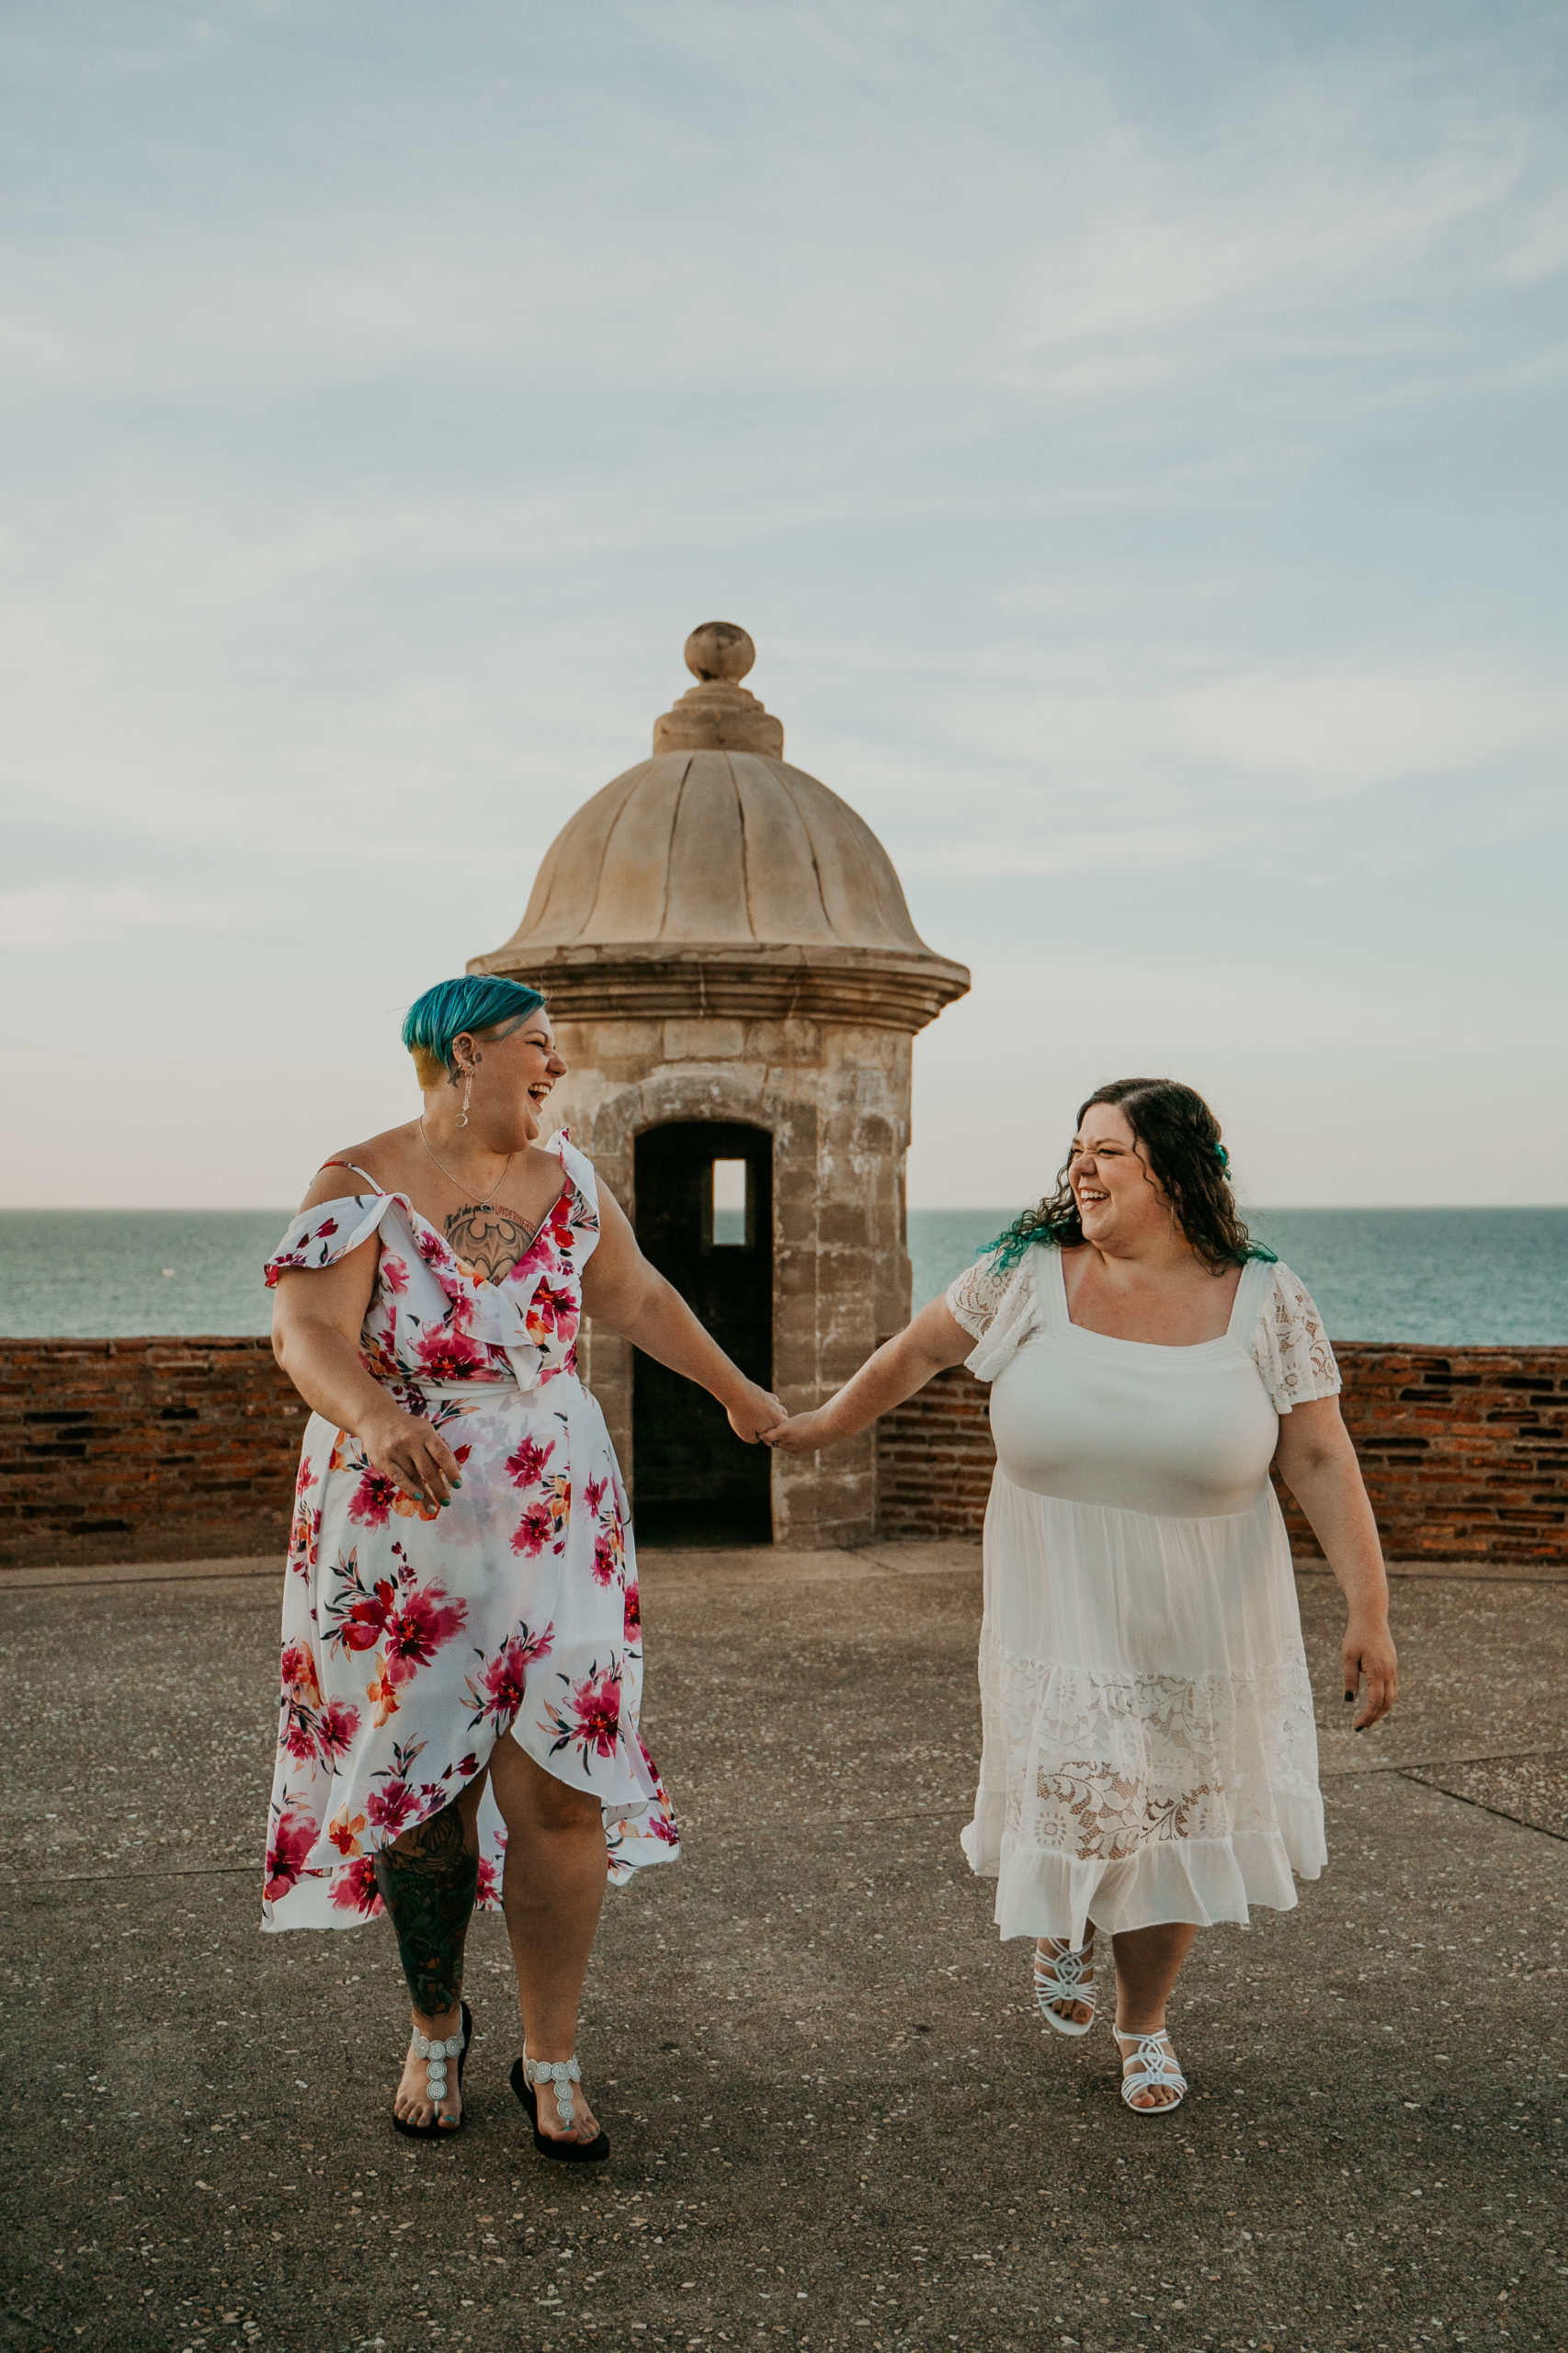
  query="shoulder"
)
[{"x": 378, "y": 1159}]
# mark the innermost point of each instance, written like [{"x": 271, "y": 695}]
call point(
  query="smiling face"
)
[
  {"x": 1121, "y": 1202},
  {"x": 520, "y": 1068}
]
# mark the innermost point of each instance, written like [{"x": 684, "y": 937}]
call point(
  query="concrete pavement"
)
[{"x": 837, "y": 2119}]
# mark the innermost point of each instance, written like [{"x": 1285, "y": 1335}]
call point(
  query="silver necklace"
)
[{"x": 453, "y": 1181}]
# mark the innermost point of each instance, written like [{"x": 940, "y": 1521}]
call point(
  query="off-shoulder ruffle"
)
[{"x": 321, "y": 1236}]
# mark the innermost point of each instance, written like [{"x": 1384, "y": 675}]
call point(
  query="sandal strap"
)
[
  {"x": 1065, "y": 1972},
  {"x": 552, "y": 2070},
  {"x": 1152, "y": 2062},
  {"x": 563, "y": 2073},
  {"x": 426, "y": 2047}
]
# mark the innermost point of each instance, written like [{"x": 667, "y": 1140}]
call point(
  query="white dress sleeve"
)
[
  {"x": 996, "y": 1309},
  {"x": 1291, "y": 1347},
  {"x": 975, "y": 1295}
]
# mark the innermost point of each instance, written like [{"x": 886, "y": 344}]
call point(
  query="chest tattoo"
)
[{"x": 488, "y": 1239}]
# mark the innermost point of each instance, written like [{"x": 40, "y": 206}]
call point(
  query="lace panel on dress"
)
[
  {"x": 1099, "y": 1767},
  {"x": 1291, "y": 1347},
  {"x": 974, "y": 1296}
]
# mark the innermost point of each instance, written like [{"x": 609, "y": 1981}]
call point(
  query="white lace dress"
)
[{"x": 1148, "y": 1748}]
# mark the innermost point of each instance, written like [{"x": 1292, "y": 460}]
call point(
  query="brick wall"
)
[
  {"x": 162, "y": 1450},
  {"x": 176, "y": 1448},
  {"x": 1464, "y": 1450}
]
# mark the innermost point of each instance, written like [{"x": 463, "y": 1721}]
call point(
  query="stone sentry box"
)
[{"x": 725, "y": 946}]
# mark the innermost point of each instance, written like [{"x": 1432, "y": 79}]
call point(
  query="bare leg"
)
[
  {"x": 427, "y": 1878},
  {"x": 1148, "y": 1963},
  {"x": 551, "y": 1892}
]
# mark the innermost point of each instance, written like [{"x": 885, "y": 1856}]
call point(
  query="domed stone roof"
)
[{"x": 716, "y": 878}]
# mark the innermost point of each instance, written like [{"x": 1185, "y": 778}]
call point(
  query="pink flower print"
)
[
  {"x": 304, "y": 1538},
  {"x": 391, "y": 1809},
  {"x": 299, "y": 1673},
  {"x": 335, "y": 1728},
  {"x": 533, "y": 1532},
  {"x": 495, "y": 1688},
  {"x": 526, "y": 1467},
  {"x": 372, "y": 1499},
  {"x": 550, "y": 1310},
  {"x": 449, "y": 1355},
  {"x": 593, "y": 1495},
  {"x": 297, "y": 1737},
  {"x": 466, "y": 1766},
  {"x": 661, "y": 1825},
  {"x": 355, "y": 1890},
  {"x": 589, "y": 1718},
  {"x": 327, "y": 1227},
  {"x": 605, "y": 1562},
  {"x": 431, "y": 1249},
  {"x": 293, "y": 1835},
  {"x": 367, "y": 1618},
  {"x": 394, "y": 1274},
  {"x": 429, "y": 1617},
  {"x": 305, "y": 1480},
  {"x": 344, "y": 1830},
  {"x": 489, "y": 1894},
  {"x": 634, "y": 1613}
]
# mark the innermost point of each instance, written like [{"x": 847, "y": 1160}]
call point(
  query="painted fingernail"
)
[{"x": 1348, "y": 1697}]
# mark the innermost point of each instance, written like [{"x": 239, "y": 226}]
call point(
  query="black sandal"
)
[
  {"x": 563, "y": 2073},
  {"x": 436, "y": 2055}
]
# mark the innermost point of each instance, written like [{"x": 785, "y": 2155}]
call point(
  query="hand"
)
[
  {"x": 406, "y": 1449},
  {"x": 802, "y": 1434},
  {"x": 1368, "y": 1652},
  {"x": 754, "y": 1411}
]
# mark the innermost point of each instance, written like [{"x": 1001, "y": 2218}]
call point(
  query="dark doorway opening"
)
[{"x": 705, "y": 1220}]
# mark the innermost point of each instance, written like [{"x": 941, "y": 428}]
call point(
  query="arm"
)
[
  {"x": 621, "y": 1290},
  {"x": 317, "y": 1315},
  {"x": 1317, "y": 1462},
  {"x": 934, "y": 1340}
]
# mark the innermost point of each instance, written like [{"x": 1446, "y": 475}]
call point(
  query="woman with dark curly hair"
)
[{"x": 1149, "y": 1765}]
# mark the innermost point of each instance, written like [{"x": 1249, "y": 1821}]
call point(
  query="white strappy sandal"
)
[
  {"x": 1150, "y": 2066},
  {"x": 1067, "y": 1975}
]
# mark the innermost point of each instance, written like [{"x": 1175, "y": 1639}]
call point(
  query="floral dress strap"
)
[{"x": 357, "y": 1171}]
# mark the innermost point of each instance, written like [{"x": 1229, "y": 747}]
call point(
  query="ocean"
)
[{"x": 1459, "y": 1275}]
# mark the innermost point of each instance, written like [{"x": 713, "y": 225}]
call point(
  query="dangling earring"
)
[{"x": 468, "y": 1090}]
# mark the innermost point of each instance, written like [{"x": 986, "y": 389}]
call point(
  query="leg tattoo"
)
[{"x": 428, "y": 1884}]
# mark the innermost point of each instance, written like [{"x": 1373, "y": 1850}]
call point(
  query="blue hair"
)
[{"x": 476, "y": 1002}]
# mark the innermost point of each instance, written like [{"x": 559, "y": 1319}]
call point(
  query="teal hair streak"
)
[
  {"x": 477, "y": 1001},
  {"x": 1010, "y": 1249}
]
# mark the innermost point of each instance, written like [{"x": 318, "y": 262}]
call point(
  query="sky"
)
[{"x": 1134, "y": 436}]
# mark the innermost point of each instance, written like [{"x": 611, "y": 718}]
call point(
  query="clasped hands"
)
[{"x": 757, "y": 1416}]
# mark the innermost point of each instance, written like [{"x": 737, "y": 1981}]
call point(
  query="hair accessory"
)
[{"x": 1222, "y": 1156}]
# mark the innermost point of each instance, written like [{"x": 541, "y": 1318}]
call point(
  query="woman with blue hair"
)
[{"x": 463, "y": 1656}]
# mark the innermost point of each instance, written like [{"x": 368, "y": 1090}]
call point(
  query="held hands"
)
[
  {"x": 802, "y": 1432},
  {"x": 1368, "y": 1652},
  {"x": 755, "y": 1412},
  {"x": 416, "y": 1457}
]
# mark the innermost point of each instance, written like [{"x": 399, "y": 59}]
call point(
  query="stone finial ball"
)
[{"x": 718, "y": 650}]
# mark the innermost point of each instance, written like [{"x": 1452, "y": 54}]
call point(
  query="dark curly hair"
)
[{"x": 1180, "y": 1137}]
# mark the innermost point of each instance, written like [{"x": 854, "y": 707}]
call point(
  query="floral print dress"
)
[{"x": 415, "y": 1639}]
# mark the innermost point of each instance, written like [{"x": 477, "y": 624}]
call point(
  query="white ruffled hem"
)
[{"x": 1046, "y": 1892}]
